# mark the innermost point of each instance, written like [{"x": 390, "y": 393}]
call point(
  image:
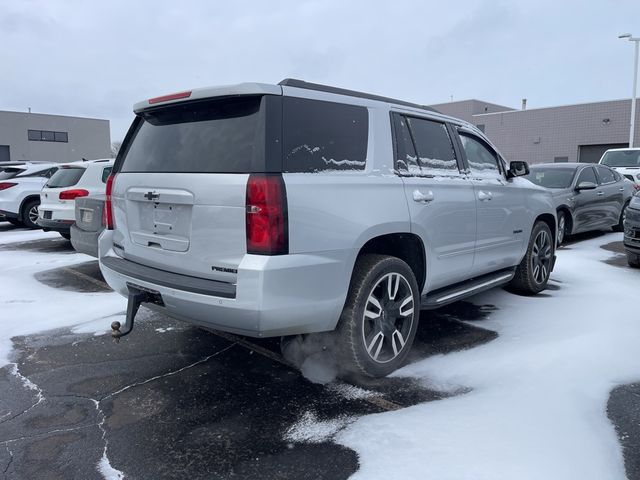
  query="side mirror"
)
[
  {"x": 586, "y": 186},
  {"x": 517, "y": 169}
]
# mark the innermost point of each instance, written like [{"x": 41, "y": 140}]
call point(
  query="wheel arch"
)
[
  {"x": 25, "y": 200},
  {"x": 550, "y": 220},
  {"x": 406, "y": 246},
  {"x": 567, "y": 215}
]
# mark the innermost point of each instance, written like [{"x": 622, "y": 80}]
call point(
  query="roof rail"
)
[{"x": 292, "y": 82}]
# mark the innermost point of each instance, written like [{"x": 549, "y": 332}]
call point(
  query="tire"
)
[
  {"x": 620, "y": 226},
  {"x": 533, "y": 272},
  {"x": 380, "y": 318},
  {"x": 633, "y": 260},
  {"x": 66, "y": 236},
  {"x": 15, "y": 222},
  {"x": 29, "y": 213},
  {"x": 562, "y": 228}
]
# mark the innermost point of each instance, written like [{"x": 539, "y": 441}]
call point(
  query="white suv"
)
[
  {"x": 72, "y": 180},
  {"x": 20, "y": 187},
  {"x": 626, "y": 161}
]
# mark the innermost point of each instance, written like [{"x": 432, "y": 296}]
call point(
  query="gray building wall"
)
[
  {"x": 87, "y": 137},
  {"x": 565, "y": 133},
  {"x": 466, "y": 109},
  {"x": 542, "y": 134}
]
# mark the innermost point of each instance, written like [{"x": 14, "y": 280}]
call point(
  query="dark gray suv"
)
[{"x": 277, "y": 210}]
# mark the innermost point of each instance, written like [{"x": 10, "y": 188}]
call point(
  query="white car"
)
[
  {"x": 626, "y": 161},
  {"x": 58, "y": 197},
  {"x": 20, "y": 186}
]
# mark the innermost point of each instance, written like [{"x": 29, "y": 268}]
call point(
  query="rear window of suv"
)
[
  {"x": 319, "y": 135},
  {"x": 65, "y": 177},
  {"x": 214, "y": 136},
  {"x": 247, "y": 134}
]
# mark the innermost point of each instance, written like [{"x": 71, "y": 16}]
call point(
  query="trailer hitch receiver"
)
[{"x": 137, "y": 296}]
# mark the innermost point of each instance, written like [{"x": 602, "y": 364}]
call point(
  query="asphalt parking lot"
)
[{"x": 173, "y": 401}]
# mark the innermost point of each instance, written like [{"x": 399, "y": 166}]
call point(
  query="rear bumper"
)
[
  {"x": 62, "y": 226},
  {"x": 273, "y": 296},
  {"x": 84, "y": 242}
]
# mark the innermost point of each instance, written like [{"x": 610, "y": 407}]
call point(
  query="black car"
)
[
  {"x": 587, "y": 197},
  {"x": 632, "y": 232}
]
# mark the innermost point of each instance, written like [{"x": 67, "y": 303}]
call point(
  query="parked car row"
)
[{"x": 43, "y": 194}]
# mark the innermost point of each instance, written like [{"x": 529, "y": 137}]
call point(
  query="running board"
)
[{"x": 453, "y": 293}]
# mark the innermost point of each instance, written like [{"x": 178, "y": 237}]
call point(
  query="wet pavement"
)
[{"x": 174, "y": 401}]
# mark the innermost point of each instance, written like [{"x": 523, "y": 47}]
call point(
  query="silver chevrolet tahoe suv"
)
[{"x": 297, "y": 208}]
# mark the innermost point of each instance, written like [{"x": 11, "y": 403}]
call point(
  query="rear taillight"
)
[
  {"x": 266, "y": 217},
  {"x": 108, "y": 205},
  {"x": 73, "y": 194},
  {"x": 5, "y": 185}
]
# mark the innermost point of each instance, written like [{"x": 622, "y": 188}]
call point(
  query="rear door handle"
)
[
  {"x": 420, "y": 197},
  {"x": 484, "y": 196},
  {"x": 600, "y": 194},
  {"x": 621, "y": 189}
]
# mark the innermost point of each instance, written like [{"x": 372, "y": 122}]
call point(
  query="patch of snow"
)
[
  {"x": 15, "y": 235},
  {"x": 351, "y": 392},
  {"x": 308, "y": 429},
  {"x": 28, "y": 306},
  {"x": 164, "y": 329},
  {"x": 99, "y": 326},
  {"x": 104, "y": 466},
  {"x": 537, "y": 405}
]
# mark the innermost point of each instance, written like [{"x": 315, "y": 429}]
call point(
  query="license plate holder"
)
[{"x": 86, "y": 215}]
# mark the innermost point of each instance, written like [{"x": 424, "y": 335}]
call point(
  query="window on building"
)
[
  {"x": 47, "y": 136},
  {"x": 61, "y": 137},
  {"x": 560, "y": 159}
]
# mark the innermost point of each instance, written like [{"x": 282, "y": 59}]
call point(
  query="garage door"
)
[
  {"x": 592, "y": 153},
  {"x": 4, "y": 153}
]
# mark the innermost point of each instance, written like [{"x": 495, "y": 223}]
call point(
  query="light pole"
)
[{"x": 636, "y": 40}]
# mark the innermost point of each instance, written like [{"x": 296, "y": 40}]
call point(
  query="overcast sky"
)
[{"x": 96, "y": 59}]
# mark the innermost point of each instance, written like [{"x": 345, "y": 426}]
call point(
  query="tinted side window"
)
[
  {"x": 480, "y": 158},
  {"x": 105, "y": 173},
  {"x": 587, "y": 175},
  {"x": 322, "y": 135},
  {"x": 434, "y": 146},
  {"x": 406, "y": 158},
  {"x": 606, "y": 175}
]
